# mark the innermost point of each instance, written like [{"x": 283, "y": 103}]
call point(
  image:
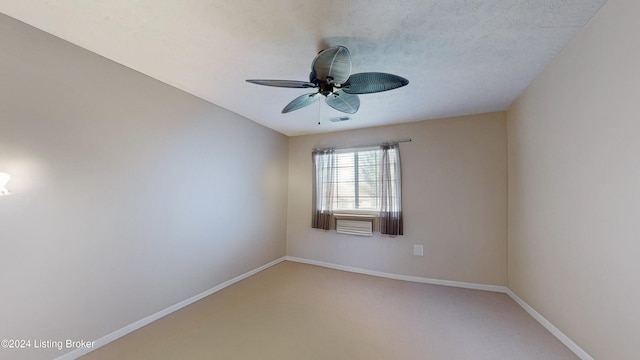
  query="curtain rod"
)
[{"x": 367, "y": 145}]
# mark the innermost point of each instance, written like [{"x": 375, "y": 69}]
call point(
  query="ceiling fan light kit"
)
[{"x": 331, "y": 76}]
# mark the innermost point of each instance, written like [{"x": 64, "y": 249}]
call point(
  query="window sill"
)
[{"x": 353, "y": 213}]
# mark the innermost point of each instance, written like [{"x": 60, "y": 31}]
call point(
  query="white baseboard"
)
[
  {"x": 162, "y": 313},
  {"x": 549, "y": 326},
  {"x": 494, "y": 288},
  {"x": 583, "y": 355}
]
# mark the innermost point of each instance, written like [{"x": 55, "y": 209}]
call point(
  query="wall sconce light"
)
[{"x": 4, "y": 179}]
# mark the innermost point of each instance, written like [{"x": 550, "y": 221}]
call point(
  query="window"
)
[
  {"x": 357, "y": 181},
  {"x": 360, "y": 181}
]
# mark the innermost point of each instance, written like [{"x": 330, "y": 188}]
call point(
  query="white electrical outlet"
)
[{"x": 418, "y": 250}]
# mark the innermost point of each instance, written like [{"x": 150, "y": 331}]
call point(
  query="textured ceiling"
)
[{"x": 461, "y": 57}]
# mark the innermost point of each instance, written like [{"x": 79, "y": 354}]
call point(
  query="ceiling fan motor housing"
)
[{"x": 326, "y": 88}]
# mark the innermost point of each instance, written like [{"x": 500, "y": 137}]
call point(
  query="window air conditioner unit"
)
[{"x": 355, "y": 227}]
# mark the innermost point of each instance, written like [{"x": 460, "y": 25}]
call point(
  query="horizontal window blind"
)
[{"x": 356, "y": 184}]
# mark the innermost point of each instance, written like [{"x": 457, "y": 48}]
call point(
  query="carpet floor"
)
[{"x": 295, "y": 311}]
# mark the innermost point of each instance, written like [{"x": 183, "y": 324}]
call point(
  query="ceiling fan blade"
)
[
  {"x": 300, "y": 102},
  {"x": 332, "y": 64},
  {"x": 373, "y": 82},
  {"x": 341, "y": 101},
  {"x": 284, "y": 83}
]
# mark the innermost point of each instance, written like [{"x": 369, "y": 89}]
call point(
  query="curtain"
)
[
  {"x": 323, "y": 184},
  {"x": 391, "y": 194}
]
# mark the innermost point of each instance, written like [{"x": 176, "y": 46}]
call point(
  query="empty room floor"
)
[{"x": 304, "y": 312}]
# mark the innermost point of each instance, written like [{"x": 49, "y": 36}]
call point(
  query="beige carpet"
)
[{"x": 303, "y": 312}]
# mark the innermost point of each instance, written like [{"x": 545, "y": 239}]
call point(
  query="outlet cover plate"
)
[{"x": 418, "y": 250}]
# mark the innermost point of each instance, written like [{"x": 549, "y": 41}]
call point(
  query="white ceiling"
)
[{"x": 460, "y": 56}]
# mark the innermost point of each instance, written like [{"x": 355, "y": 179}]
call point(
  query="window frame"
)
[{"x": 373, "y": 213}]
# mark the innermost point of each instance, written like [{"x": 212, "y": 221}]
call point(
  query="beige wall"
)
[
  {"x": 574, "y": 187},
  {"x": 128, "y": 195},
  {"x": 454, "y": 201}
]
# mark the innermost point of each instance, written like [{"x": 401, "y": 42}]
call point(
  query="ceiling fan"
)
[{"x": 331, "y": 75}]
